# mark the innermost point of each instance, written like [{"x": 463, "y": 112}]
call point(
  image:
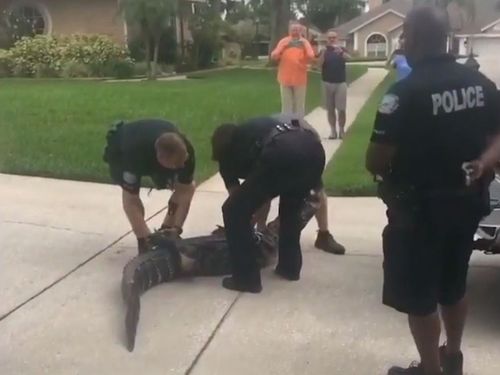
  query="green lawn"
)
[
  {"x": 56, "y": 128},
  {"x": 346, "y": 175}
]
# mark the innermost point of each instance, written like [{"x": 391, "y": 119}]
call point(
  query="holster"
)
[
  {"x": 403, "y": 204},
  {"x": 398, "y": 196}
]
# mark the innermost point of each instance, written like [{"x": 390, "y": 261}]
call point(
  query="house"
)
[
  {"x": 60, "y": 17},
  {"x": 376, "y": 33},
  {"x": 481, "y": 34}
]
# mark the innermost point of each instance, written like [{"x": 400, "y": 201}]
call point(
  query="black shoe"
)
[
  {"x": 231, "y": 284},
  {"x": 414, "y": 369},
  {"x": 452, "y": 364},
  {"x": 326, "y": 242},
  {"x": 287, "y": 275}
]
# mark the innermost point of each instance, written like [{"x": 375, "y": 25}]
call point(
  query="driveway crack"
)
[{"x": 212, "y": 336}]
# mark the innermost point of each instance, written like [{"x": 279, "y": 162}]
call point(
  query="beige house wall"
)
[
  {"x": 380, "y": 26},
  {"x": 78, "y": 16}
]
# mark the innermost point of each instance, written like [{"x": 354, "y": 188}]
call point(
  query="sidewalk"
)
[{"x": 358, "y": 93}]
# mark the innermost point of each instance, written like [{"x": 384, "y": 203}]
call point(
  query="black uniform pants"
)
[
  {"x": 289, "y": 167},
  {"x": 427, "y": 252}
]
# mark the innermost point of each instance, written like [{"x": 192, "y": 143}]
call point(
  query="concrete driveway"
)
[{"x": 64, "y": 247}]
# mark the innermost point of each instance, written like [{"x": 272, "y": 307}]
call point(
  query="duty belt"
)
[{"x": 282, "y": 129}]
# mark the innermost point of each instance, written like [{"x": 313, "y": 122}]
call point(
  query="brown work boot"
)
[{"x": 326, "y": 242}]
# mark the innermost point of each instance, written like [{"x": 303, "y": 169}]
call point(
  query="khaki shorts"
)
[{"x": 335, "y": 96}]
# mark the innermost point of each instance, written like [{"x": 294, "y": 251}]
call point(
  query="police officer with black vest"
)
[
  {"x": 274, "y": 158},
  {"x": 429, "y": 126},
  {"x": 152, "y": 148}
]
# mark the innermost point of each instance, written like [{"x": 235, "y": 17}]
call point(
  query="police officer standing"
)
[
  {"x": 427, "y": 127},
  {"x": 275, "y": 159},
  {"x": 153, "y": 148}
]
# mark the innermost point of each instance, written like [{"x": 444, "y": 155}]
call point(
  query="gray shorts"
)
[{"x": 335, "y": 96}]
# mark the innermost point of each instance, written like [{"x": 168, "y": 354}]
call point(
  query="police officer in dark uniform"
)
[
  {"x": 427, "y": 127},
  {"x": 274, "y": 158},
  {"x": 156, "y": 149}
]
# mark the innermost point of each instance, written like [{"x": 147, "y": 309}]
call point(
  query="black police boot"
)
[
  {"x": 414, "y": 369},
  {"x": 242, "y": 286},
  {"x": 326, "y": 242},
  {"x": 452, "y": 363},
  {"x": 288, "y": 275}
]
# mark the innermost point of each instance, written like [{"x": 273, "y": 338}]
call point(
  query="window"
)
[
  {"x": 28, "y": 20},
  {"x": 376, "y": 46}
]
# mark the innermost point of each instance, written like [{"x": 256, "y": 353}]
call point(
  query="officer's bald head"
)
[{"x": 426, "y": 33}]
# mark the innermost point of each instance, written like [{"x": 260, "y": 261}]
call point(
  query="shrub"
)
[
  {"x": 19, "y": 72},
  {"x": 120, "y": 69},
  {"x": 28, "y": 53},
  {"x": 91, "y": 49},
  {"x": 141, "y": 68},
  {"x": 47, "y": 54},
  {"x": 5, "y": 64},
  {"x": 42, "y": 70},
  {"x": 74, "y": 69}
]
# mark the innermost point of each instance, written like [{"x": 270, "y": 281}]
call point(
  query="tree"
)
[
  {"x": 280, "y": 16},
  {"x": 207, "y": 28},
  {"x": 152, "y": 17},
  {"x": 237, "y": 11},
  {"x": 325, "y": 14}
]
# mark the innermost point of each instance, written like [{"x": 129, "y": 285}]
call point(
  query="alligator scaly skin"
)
[{"x": 171, "y": 258}]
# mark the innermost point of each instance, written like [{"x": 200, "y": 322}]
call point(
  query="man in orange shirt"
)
[{"x": 293, "y": 52}]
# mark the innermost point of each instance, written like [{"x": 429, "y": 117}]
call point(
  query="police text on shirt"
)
[{"x": 458, "y": 100}]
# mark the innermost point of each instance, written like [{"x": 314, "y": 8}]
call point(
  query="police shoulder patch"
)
[
  {"x": 389, "y": 104},
  {"x": 129, "y": 178}
]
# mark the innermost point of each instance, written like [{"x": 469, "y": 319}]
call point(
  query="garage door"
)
[{"x": 487, "y": 47}]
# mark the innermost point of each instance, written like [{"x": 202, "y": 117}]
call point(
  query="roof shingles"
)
[{"x": 486, "y": 13}]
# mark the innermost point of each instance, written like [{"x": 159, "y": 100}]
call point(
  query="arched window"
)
[
  {"x": 376, "y": 45},
  {"x": 29, "y": 19}
]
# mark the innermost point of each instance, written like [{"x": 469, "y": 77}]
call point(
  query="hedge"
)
[{"x": 69, "y": 56}]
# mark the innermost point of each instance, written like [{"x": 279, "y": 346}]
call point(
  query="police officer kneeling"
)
[
  {"x": 274, "y": 159},
  {"x": 428, "y": 125},
  {"x": 153, "y": 148}
]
